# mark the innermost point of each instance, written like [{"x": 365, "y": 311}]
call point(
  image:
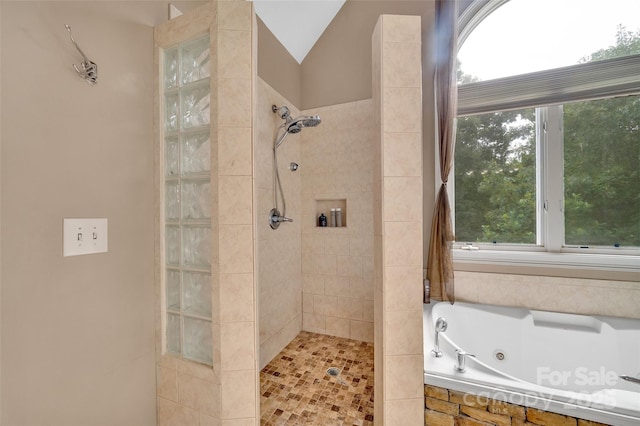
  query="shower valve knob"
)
[{"x": 275, "y": 219}]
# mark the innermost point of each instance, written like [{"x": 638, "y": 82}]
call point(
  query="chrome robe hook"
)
[{"x": 88, "y": 69}]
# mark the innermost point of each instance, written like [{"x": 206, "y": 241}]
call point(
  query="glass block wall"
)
[{"x": 187, "y": 201}]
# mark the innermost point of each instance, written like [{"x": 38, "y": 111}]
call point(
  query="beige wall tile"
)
[
  {"x": 402, "y": 110},
  {"x": 337, "y": 245},
  {"x": 238, "y": 394},
  {"x": 200, "y": 395},
  {"x": 234, "y": 15},
  {"x": 401, "y": 29},
  {"x": 402, "y": 200},
  {"x": 237, "y": 345},
  {"x": 307, "y": 302},
  {"x": 235, "y": 200},
  {"x": 401, "y": 380},
  {"x": 404, "y": 412},
  {"x": 236, "y": 297},
  {"x": 325, "y": 305},
  {"x": 234, "y": 53},
  {"x": 351, "y": 308},
  {"x": 235, "y": 96},
  {"x": 402, "y": 154},
  {"x": 337, "y": 164},
  {"x": 208, "y": 420},
  {"x": 403, "y": 244},
  {"x": 273, "y": 345},
  {"x": 466, "y": 288},
  {"x": 313, "y": 283},
  {"x": 324, "y": 264},
  {"x": 239, "y": 422},
  {"x": 336, "y": 286},
  {"x": 236, "y": 248},
  {"x": 368, "y": 313},
  {"x": 338, "y": 327},
  {"x": 172, "y": 414},
  {"x": 349, "y": 266},
  {"x": 314, "y": 323},
  {"x": 199, "y": 371},
  {"x": 406, "y": 285},
  {"x": 167, "y": 361},
  {"x": 234, "y": 151},
  {"x": 361, "y": 245},
  {"x": 362, "y": 330},
  {"x": 167, "y": 383},
  {"x": 313, "y": 243},
  {"x": 401, "y": 329},
  {"x": 402, "y": 65},
  {"x": 360, "y": 288}
]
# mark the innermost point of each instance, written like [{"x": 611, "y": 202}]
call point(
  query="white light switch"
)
[{"x": 84, "y": 236}]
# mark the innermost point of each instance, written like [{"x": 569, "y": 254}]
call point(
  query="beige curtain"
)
[{"x": 440, "y": 261}]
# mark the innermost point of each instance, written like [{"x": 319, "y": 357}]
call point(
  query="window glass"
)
[
  {"x": 601, "y": 178},
  {"x": 570, "y": 180},
  {"x": 524, "y": 36},
  {"x": 495, "y": 178}
]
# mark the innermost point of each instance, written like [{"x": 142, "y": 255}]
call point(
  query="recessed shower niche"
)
[{"x": 327, "y": 206}]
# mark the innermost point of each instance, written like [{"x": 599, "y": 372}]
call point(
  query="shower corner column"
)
[
  {"x": 398, "y": 220},
  {"x": 226, "y": 392}
]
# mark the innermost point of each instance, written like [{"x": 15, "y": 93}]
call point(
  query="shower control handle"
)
[
  {"x": 275, "y": 219},
  {"x": 461, "y": 357}
]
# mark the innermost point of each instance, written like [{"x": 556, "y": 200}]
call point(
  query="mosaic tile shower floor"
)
[{"x": 295, "y": 388}]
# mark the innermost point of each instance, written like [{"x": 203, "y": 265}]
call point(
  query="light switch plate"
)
[{"x": 84, "y": 236}]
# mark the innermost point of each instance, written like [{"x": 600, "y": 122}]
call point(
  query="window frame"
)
[{"x": 610, "y": 78}]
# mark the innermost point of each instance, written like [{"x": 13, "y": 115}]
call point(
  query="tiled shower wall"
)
[
  {"x": 571, "y": 295},
  {"x": 398, "y": 220},
  {"x": 279, "y": 274},
  {"x": 337, "y": 263}
]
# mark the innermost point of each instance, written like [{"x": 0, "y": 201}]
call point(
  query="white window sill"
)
[{"x": 588, "y": 261}]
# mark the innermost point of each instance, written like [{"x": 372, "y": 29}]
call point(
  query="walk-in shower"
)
[{"x": 290, "y": 126}]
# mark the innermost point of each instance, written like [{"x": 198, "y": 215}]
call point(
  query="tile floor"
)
[{"x": 295, "y": 388}]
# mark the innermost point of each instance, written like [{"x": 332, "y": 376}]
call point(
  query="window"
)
[{"x": 548, "y": 159}]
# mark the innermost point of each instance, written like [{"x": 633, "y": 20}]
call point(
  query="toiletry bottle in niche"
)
[
  {"x": 322, "y": 220},
  {"x": 333, "y": 217},
  {"x": 339, "y": 217}
]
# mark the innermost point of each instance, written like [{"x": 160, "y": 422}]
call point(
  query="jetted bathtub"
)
[{"x": 564, "y": 363}]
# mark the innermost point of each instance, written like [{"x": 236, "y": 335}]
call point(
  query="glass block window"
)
[{"x": 187, "y": 201}]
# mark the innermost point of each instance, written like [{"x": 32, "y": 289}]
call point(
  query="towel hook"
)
[{"x": 89, "y": 70}]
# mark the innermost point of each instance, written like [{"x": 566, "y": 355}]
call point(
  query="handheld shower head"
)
[{"x": 300, "y": 123}]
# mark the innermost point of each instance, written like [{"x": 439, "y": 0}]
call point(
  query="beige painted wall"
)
[
  {"x": 338, "y": 67},
  {"x": 77, "y": 332},
  {"x": 277, "y": 67},
  {"x": 279, "y": 252}
]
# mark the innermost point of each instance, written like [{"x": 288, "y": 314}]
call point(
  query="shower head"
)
[
  {"x": 292, "y": 125},
  {"x": 283, "y": 112},
  {"x": 300, "y": 123}
]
